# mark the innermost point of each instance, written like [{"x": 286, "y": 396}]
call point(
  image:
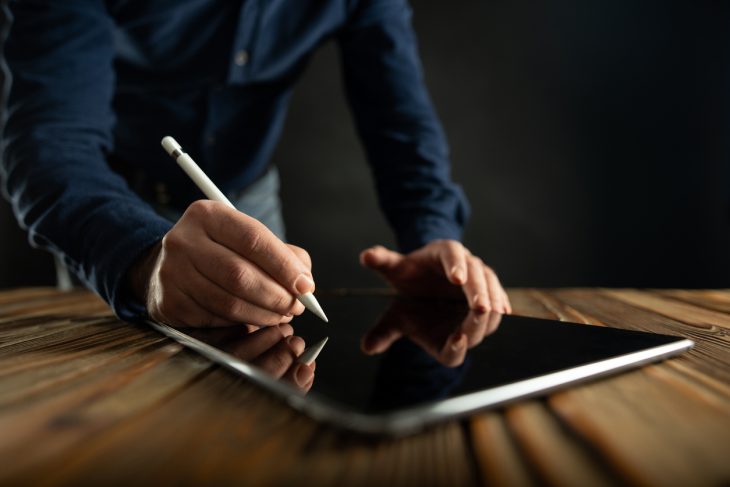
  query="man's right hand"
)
[{"x": 218, "y": 266}]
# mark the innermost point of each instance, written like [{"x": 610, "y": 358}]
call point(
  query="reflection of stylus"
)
[
  {"x": 211, "y": 191},
  {"x": 310, "y": 354}
]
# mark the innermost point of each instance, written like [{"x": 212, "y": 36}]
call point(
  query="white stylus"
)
[
  {"x": 310, "y": 355},
  {"x": 211, "y": 191}
]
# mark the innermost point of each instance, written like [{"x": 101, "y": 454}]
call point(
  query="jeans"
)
[{"x": 260, "y": 201}]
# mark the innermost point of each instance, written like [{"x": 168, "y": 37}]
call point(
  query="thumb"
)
[{"x": 379, "y": 258}]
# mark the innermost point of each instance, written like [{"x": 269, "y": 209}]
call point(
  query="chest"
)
[{"x": 227, "y": 40}]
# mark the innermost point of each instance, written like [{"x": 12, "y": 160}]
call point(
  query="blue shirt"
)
[{"x": 96, "y": 84}]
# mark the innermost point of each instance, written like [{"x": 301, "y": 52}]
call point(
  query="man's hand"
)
[
  {"x": 274, "y": 349},
  {"x": 218, "y": 266},
  {"x": 440, "y": 268}
]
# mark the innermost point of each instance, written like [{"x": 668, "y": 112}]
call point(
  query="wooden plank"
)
[
  {"x": 65, "y": 422},
  {"x": 524, "y": 303},
  {"x": 712, "y": 299},
  {"x": 649, "y": 431},
  {"x": 671, "y": 308},
  {"x": 498, "y": 457},
  {"x": 35, "y": 382},
  {"x": 20, "y": 295},
  {"x": 553, "y": 449}
]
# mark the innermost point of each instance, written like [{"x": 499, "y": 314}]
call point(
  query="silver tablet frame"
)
[{"x": 411, "y": 420}]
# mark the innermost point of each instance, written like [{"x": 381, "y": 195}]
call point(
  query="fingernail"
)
[
  {"x": 304, "y": 284},
  {"x": 304, "y": 374},
  {"x": 457, "y": 274}
]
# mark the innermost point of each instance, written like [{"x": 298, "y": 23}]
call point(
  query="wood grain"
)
[{"x": 88, "y": 400}]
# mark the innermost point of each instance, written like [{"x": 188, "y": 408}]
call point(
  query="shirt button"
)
[
  {"x": 210, "y": 140},
  {"x": 241, "y": 57}
]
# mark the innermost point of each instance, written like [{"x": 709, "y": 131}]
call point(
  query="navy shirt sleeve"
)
[
  {"x": 58, "y": 69},
  {"x": 396, "y": 121}
]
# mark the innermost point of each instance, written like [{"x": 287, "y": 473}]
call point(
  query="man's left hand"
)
[{"x": 442, "y": 267}]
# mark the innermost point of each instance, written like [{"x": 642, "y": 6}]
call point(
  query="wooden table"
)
[{"x": 88, "y": 400}]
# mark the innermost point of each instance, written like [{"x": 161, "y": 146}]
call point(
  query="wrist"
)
[{"x": 140, "y": 273}]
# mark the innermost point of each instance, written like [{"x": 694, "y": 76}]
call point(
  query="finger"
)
[
  {"x": 453, "y": 258},
  {"x": 474, "y": 327},
  {"x": 379, "y": 339},
  {"x": 243, "y": 279},
  {"x": 258, "y": 342},
  {"x": 217, "y": 301},
  {"x": 250, "y": 238},
  {"x": 301, "y": 375},
  {"x": 277, "y": 360},
  {"x": 493, "y": 323},
  {"x": 176, "y": 308},
  {"x": 495, "y": 290},
  {"x": 453, "y": 352},
  {"x": 302, "y": 255},
  {"x": 379, "y": 258},
  {"x": 507, "y": 303},
  {"x": 475, "y": 288}
]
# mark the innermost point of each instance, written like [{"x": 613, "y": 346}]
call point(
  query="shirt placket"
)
[{"x": 242, "y": 52}]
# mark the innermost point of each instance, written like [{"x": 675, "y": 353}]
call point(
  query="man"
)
[{"x": 96, "y": 85}]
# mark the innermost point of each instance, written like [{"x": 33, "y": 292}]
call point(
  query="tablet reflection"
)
[
  {"x": 273, "y": 349},
  {"x": 424, "y": 346},
  {"x": 443, "y": 329}
]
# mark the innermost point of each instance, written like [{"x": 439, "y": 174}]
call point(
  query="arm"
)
[
  {"x": 215, "y": 266},
  {"x": 408, "y": 154},
  {"x": 58, "y": 69},
  {"x": 396, "y": 121}
]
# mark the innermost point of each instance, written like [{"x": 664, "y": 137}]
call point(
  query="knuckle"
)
[
  {"x": 452, "y": 245},
  {"x": 281, "y": 303},
  {"x": 231, "y": 308},
  {"x": 173, "y": 241},
  {"x": 253, "y": 241},
  {"x": 199, "y": 209},
  {"x": 237, "y": 277}
]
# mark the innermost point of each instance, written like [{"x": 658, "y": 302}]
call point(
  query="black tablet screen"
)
[{"x": 420, "y": 350}]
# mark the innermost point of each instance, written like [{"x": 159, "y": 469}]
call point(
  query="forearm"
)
[
  {"x": 77, "y": 208},
  {"x": 55, "y": 141},
  {"x": 395, "y": 118}
]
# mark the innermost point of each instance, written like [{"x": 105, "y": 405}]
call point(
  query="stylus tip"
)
[
  {"x": 311, "y": 303},
  {"x": 311, "y": 354}
]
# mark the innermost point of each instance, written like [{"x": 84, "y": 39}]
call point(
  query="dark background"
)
[{"x": 592, "y": 138}]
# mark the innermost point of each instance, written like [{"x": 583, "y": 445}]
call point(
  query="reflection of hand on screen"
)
[
  {"x": 273, "y": 349},
  {"x": 443, "y": 334}
]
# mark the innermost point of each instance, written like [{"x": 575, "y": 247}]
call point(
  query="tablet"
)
[{"x": 429, "y": 360}]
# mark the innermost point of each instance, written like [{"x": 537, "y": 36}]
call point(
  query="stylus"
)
[
  {"x": 310, "y": 354},
  {"x": 211, "y": 191}
]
